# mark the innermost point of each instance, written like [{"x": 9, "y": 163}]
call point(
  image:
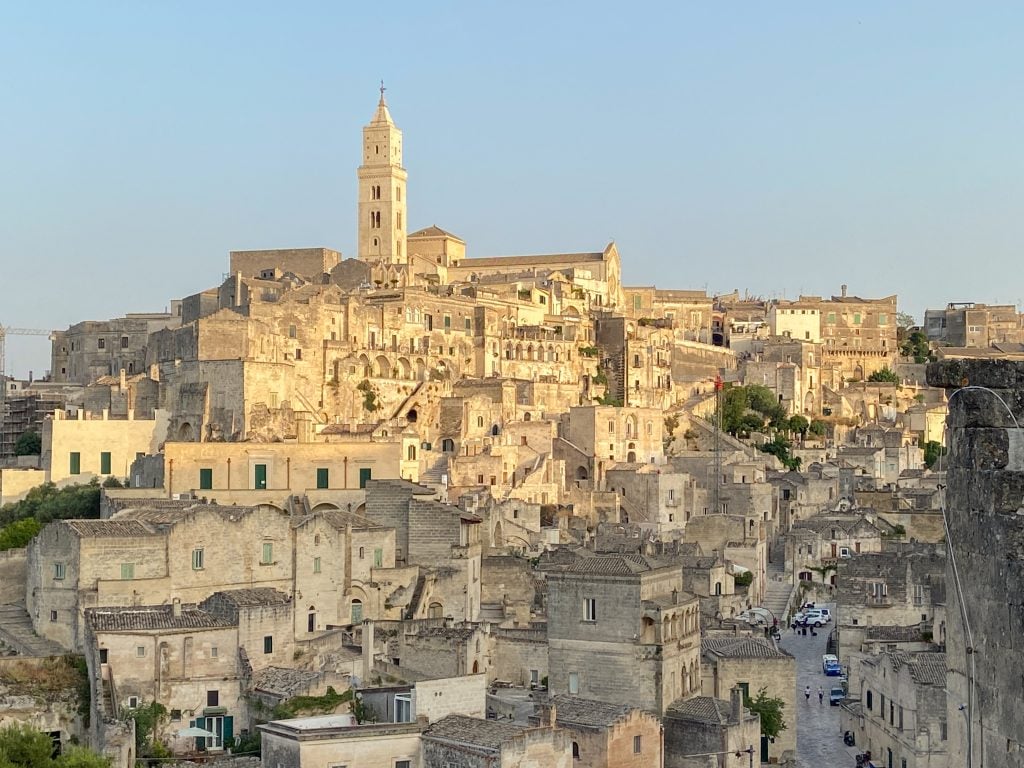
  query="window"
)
[
  {"x": 469, "y": 324},
  {"x": 357, "y": 612},
  {"x": 637, "y": 745},
  {"x": 316, "y": 565},
  {"x": 942, "y": 730},
  {"x": 53, "y": 615},
  {"x": 883, "y": 319},
  {"x": 105, "y": 463},
  {"x": 133, "y": 702},
  {"x": 403, "y": 764},
  {"x": 869, "y": 700},
  {"x": 198, "y": 559},
  {"x": 127, "y": 570},
  {"x": 140, "y": 651},
  {"x": 831, "y": 318},
  {"x": 214, "y": 652},
  {"x": 205, "y": 478},
  {"x": 575, "y": 751},
  {"x": 124, "y": 342},
  {"x": 268, "y": 644},
  {"x": 101, "y": 343},
  {"x": 378, "y": 558},
  {"x": 260, "y": 471},
  {"x": 574, "y": 683},
  {"x": 175, "y": 715},
  {"x": 856, "y": 318},
  {"x": 213, "y": 698},
  {"x": 268, "y": 553},
  {"x": 76, "y": 463},
  {"x": 611, "y": 427},
  {"x": 589, "y": 609},
  {"x": 362, "y": 552},
  {"x": 292, "y": 332},
  {"x": 323, "y": 476},
  {"x": 298, "y": 353},
  {"x": 403, "y": 708},
  {"x": 58, "y": 571}
]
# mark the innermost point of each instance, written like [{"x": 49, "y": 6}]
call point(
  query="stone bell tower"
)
[{"x": 382, "y": 219}]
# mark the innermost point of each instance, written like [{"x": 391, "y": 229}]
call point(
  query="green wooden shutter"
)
[
  {"x": 206, "y": 479},
  {"x": 105, "y": 463},
  {"x": 322, "y": 478},
  {"x": 76, "y": 463},
  {"x": 261, "y": 476},
  {"x": 229, "y": 732},
  {"x": 365, "y": 473}
]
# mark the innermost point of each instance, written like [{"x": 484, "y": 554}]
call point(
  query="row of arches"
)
[{"x": 539, "y": 353}]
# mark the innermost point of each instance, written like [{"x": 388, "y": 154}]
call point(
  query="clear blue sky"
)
[{"x": 775, "y": 147}]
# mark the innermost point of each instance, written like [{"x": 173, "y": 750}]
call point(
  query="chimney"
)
[
  {"x": 367, "y": 649},
  {"x": 176, "y": 607},
  {"x": 842, "y": 289},
  {"x": 552, "y": 718},
  {"x": 736, "y": 699}
]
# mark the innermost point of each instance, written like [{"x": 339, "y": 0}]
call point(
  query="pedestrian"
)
[
  {"x": 794, "y": 627},
  {"x": 821, "y": 695},
  {"x": 807, "y": 693}
]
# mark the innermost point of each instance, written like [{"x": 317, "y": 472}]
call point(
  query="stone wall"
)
[
  {"x": 13, "y": 572},
  {"x": 985, "y": 471}
]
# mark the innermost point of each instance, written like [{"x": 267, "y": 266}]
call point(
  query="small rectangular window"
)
[
  {"x": 124, "y": 342},
  {"x": 213, "y": 698},
  {"x": 101, "y": 343},
  {"x": 105, "y": 462},
  {"x": 589, "y": 609},
  {"x": 292, "y": 332},
  {"x": 127, "y": 571},
  {"x": 574, "y": 683},
  {"x": 140, "y": 651},
  {"x": 205, "y": 478},
  {"x": 268, "y": 554},
  {"x": 316, "y": 565},
  {"x": 58, "y": 571},
  {"x": 214, "y": 652},
  {"x": 268, "y": 644},
  {"x": 198, "y": 559},
  {"x": 53, "y": 615},
  {"x": 175, "y": 715},
  {"x": 323, "y": 478},
  {"x": 403, "y": 708},
  {"x": 637, "y": 745},
  {"x": 378, "y": 558},
  {"x": 75, "y": 467}
]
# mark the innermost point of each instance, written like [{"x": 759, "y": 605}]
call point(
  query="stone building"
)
[
  {"x": 457, "y": 741},
  {"x": 632, "y": 611},
  {"x": 967, "y": 324},
  {"x": 816, "y": 544},
  {"x": 706, "y": 725},
  {"x": 901, "y": 715},
  {"x": 326, "y": 741},
  {"x": 606, "y": 735},
  {"x": 750, "y": 664}
]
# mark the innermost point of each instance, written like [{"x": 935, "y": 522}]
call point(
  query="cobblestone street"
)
[{"x": 819, "y": 739}]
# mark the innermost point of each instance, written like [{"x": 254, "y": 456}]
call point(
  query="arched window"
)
[
  {"x": 526, "y": 416},
  {"x": 575, "y": 751},
  {"x": 718, "y": 587}
]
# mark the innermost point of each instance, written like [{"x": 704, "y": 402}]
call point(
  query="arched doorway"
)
[
  {"x": 476, "y": 667},
  {"x": 448, "y": 445},
  {"x": 582, "y": 473},
  {"x": 185, "y": 433},
  {"x": 631, "y": 457},
  {"x": 411, "y": 416},
  {"x": 311, "y": 619},
  {"x": 357, "y": 611},
  {"x": 498, "y": 540}
]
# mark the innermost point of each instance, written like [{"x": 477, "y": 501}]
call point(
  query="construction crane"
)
[{"x": 6, "y": 331}]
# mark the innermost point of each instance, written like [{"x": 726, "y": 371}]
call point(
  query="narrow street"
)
[{"x": 819, "y": 738}]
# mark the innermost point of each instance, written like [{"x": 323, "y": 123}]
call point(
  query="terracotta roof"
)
[
  {"x": 151, "y": 617},
  {"x": 488, "y": 734},
  {"x": 704, "y": 709},
  {"x": 547, "y": 259},
  {"x": 281, "y": 681},
  {"x": 926, "y": 667},
  {"x": 742, "y": 648},
  {"x": 110, "y": 528},
  {"x": 573, "y": 710},
  {"x": 433, "y": 231},
  {"x": 612, "y": 565},
  {"x": 257, "y": 596}
]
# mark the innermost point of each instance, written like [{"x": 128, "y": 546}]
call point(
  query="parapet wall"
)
[{"x": 985, "y": 511}]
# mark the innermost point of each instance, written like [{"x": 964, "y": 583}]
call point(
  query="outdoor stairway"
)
[
  {"x": 435, "y": 474},
  {"x": 777, "y": 590},
  {"x": 16, "y": 633},
  {"x": 417, "y": 596}
]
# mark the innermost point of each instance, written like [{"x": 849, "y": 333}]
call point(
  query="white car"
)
[{"x": 812, "y": 618}]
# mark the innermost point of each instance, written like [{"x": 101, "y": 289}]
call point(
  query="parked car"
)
[
  {"x": 830, "y": 665},
  {"x": 836, "y": 696},
  {"x": 756, "y": 616},
  {"x": 812, "y": 618}
]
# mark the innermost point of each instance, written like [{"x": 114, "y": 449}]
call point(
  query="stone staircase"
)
[
  {"x": 435, "y": 473},
  {"x": 16, "y": 633},
  {"x": 777, "y": 590}
]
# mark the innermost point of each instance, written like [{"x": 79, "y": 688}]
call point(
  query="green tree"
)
[
  {"x": 744, "y": 579},
  {"x": 28, "y": 444},
  {"x": 18, "y": 534},
  {"x": 916, "y": 346},
  {"x": 770, "y": 710},
  {"x": 148, "y": 718},
  {"x": 779, "y": 448},
  {"x": 817, "y": 427},
  {"x": 799, "y": 424},
  {"x": 46, "y": 502},
  {"x": 932, "y": 451},
  {"x": 24, "y": 747},
  {"x": 885, "y": 375},
  {"x": 80, "y": 757}
]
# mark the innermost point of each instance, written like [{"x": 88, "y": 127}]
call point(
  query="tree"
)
[
  {"x": 770, "y": 710},
  {"x": 799, "y": 424},
  {"x": 80, "y": 757},
  {"x": 779, "y": 448},
  {"x": 817, "y": 427},
  {"x": 24, "y": 747},
  {"x": 905, "y": 320},
  {"x": 885, "y": 375},
  {"x": 28, "y": 444},
  {"x": 916, "y": 346},
  {"x": 744, "y": 579},
  {"x": 18, "y": 534},
  {"x": 932, "y": 451}
]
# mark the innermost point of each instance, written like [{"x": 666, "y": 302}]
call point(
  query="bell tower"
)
[{"x": 382, "y": 220}]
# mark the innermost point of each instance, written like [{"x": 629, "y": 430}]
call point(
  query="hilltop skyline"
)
[{"x": 788, "y": 151}]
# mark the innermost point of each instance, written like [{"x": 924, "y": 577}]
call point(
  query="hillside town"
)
[{"x": 417, "y": 507}]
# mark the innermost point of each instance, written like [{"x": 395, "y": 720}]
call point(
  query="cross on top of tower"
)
[{"x": 382, "y": 89}]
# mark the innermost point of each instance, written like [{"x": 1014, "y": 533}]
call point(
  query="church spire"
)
[{"x": 383, "y": 116}]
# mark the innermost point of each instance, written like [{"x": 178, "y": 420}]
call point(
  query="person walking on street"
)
[
  {"x": 821, "y": 695},
  {"x": 807, "y": 693}
]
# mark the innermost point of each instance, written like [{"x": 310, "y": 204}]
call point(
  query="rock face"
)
[{"x": 985, "y": 571}]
